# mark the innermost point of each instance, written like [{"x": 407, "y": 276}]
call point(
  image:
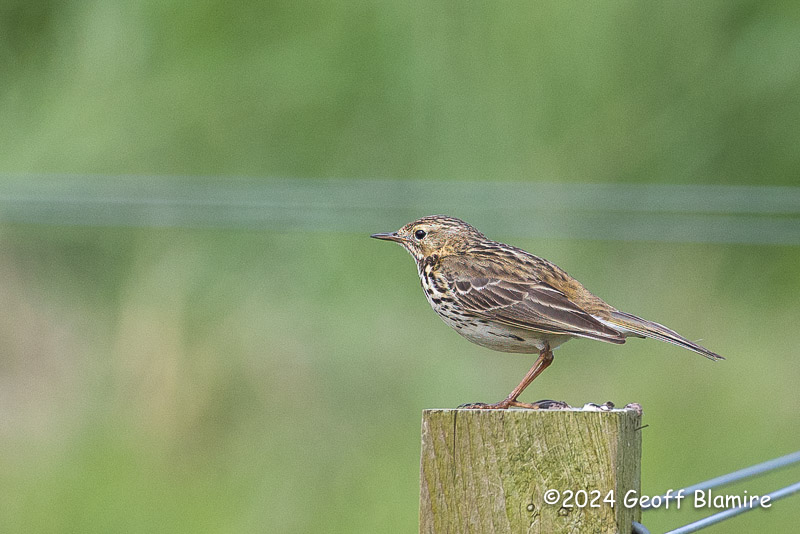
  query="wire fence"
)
[
  {"x": 628, "y": 212},
  {"x": 746, "y": 506}
]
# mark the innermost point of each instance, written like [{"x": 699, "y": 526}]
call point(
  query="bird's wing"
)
[{"x": 533, "y": 305}]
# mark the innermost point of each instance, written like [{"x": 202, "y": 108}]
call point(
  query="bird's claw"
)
[
  {"x": 546, "y": 404},
  {"x": 473, "y": 406}
]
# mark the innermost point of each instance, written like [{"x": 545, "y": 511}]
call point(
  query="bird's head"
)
[{"x": 435, "y": 234}]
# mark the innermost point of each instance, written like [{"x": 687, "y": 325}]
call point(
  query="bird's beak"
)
[{"x": 392, "y": 236}]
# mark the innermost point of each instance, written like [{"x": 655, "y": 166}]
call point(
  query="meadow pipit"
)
[{"x": 509, "y": 300}]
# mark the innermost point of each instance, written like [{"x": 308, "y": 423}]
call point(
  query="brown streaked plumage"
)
[{"x": 509, "y": 300}]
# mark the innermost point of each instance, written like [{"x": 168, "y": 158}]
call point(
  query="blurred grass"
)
[
  {"x": 218, "y": 381},
  {"x": 610, "y": 91}
]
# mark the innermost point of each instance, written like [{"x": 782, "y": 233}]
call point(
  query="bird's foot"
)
[
  {"x": 508, "y": 403},
  {"x": 546, "y": 404},
  {"x": 502, "y": 405}
]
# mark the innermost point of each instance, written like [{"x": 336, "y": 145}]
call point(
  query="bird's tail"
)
[{"x": 641, "y": 327}]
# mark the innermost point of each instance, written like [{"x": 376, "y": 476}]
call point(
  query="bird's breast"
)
[{"x": 436, "y": 289}]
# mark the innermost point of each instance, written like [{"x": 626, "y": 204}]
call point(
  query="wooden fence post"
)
[{"x": 487, "y": 471}]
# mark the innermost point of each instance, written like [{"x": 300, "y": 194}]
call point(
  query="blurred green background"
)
[{"x": 161, "y": 378}]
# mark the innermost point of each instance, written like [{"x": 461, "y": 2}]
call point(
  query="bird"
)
[{"x": 506, "y": 299}]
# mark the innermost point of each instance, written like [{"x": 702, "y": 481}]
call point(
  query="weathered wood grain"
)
[{"x": 485, "y": 471}]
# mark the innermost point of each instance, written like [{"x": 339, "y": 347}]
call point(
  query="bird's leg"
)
[{"x": 542, "y": 362}]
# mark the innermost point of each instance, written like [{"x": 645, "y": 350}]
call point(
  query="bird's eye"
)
[{"x": 420, "y": 234}]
